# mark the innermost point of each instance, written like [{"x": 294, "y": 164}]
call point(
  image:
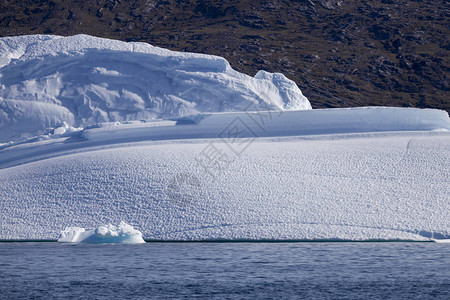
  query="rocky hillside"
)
[{"x": 340, "y": 52}]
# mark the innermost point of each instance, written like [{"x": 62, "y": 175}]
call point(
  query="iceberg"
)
[
  {"x": 191, "y": 150},
  {"x": 81, "y": 80},
  {"x": 108, "y": 234},
  {"x": 336, "y": 174}
]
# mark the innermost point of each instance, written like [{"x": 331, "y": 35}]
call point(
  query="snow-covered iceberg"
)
[
  {"x": 108, "y": 234},
  {"x": 169, "y": 152},
  {"x": 81, "y": 80},
  {"x": 337, "y": 174}
]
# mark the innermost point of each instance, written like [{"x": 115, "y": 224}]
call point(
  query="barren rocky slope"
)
[{"x": 340, "y": 53}]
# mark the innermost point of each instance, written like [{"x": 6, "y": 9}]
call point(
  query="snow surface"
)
[
  {"x": 281, "y": 123},
  {"x": 108, "y": 234},
  {"x": 250, "y": 125},
  {"x": 376, "y": 174},
  {"x": 81, "y": 80}
]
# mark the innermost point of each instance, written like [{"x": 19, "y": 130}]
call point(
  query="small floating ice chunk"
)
[{"x": 121, "y": 234}]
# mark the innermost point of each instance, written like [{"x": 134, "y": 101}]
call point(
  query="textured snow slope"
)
[
  {"x": 82, "y": 80},
  {"x": 250, "y": 125},
  {"x": 358, "y": 186},
  {"x": 281, "y": 123}
]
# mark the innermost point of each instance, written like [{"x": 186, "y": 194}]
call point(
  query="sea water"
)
[{"x": 225, "y": 270}]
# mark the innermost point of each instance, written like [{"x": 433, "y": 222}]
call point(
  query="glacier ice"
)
[
  {"x": 289, "y": 182},
  {"x": 82, "y": 80},
  {"x": 150, "y": 120},
  {"x": 108, "y": 234}
]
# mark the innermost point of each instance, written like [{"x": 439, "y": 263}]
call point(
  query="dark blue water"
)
[{"x": 226, "y": 270}]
